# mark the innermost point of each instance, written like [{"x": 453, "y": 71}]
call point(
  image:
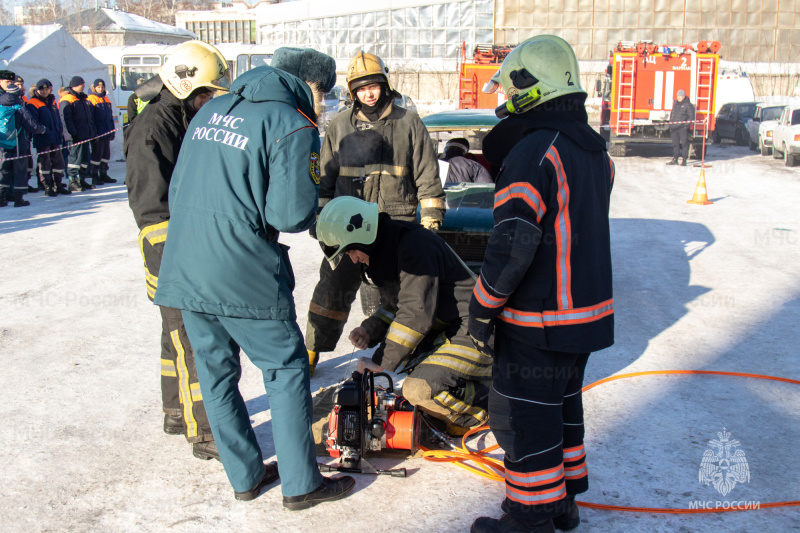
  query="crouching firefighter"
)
[
  {"x": 421, "y": 325},
  {"x": 184, "y": 84},
  {"x": 545, "y": 285}
]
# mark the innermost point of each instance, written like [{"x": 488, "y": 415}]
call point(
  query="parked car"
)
[
  {"x": 786, "y": 135},
  {"x": 335, "y": 100},
  {"x": 731, "y": 122},
  {"x": 760, "y": 127},
  {"x": 406, "y": 102}
]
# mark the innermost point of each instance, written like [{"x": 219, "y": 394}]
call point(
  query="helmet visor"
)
[
  {"x": 493, "y": 85},
  {"x": 223, "y": 83}
]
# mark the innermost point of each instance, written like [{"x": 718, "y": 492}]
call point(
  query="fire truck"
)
[
  {"x": 640, "y": 85},
  {"x": 476, "y": 72}
]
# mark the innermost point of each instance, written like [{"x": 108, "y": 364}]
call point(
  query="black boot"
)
[
  {"x": 3, "y": 201},
  {"x": 270, "y": 475},
  {"x": 61, "y": 188},
  {"x": 106, "y": 178},
  {"x": 683, "y": 162},
  {"x": 86, "y": 185},
  {"x": 49, "y": 191},
  {"x": 507, "y": 524},
  {"x": 19, "y": 201},
  {"x": 173, "y": 424},
  {"x": 33, "y": 189},
  {"x": 205, "y": 450},
  {"x": 96, "y": 180},
  {"x": 75, "y": 185},
  {"x": 570, "y": 519},
  {"x": 674, "y": 161},
  {"x": 331, "y": 489}
]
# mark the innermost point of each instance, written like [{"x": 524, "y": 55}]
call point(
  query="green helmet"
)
[
  {"x": 346, "y": 221},
  {"x": 536, "y": 71}
]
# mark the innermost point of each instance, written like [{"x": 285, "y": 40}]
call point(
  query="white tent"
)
[{"x": 48, "y": 51}]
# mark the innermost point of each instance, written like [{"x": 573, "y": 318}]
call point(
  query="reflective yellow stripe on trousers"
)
[{"x": 183, "y": 385}]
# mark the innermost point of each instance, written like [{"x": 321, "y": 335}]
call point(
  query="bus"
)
[{"x": 128, "y": 64}]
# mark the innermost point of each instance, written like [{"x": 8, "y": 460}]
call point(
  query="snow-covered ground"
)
[{"x": 696, "y": 287}]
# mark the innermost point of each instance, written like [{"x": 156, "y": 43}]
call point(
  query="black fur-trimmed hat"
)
[
  {"x": 307, "y": 64},
  {"x": 7, "y": 75}
]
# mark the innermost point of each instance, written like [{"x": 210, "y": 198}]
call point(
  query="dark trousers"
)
[
  {"x": 680, "y": 142},
  {"x": 78, "y": 163},
  {"x": 330, "y": 304},
  {"x": 536, "y": 415},
  {"x": 14, "y": 173},
  {"x": 51, "y": 165},
  {"x": 180, "y": 388},
  {"x": 101, "y": 152}
]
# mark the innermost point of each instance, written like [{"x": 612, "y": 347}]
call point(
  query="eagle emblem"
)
[
  {"x": 313, "y": 167},
  {"x": 724, "y": 466}
]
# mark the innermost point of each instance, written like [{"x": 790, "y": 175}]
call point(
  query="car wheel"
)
[
  {"x": 753, "y": 146},
  {"x": 741, "y": 137},
  {"x": 370, "y": 299},
  {"x": 788, "y": 159},
  {"x": 715, "y": 138},
  {"x": 765, "y": 150},
  {"x": 617, "y": 150}
]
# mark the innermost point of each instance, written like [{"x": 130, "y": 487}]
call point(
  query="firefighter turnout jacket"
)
[
  {"x": 390, "y": 162},
  {"x": 547, "y": 269},
  {"x": 248, "y": 169},
  {"x": 433, "y": 300}
]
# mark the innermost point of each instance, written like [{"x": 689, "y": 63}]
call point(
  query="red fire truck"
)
[
  {"x": 476, "y": 72},
  {"x": 640, "y": 85}
]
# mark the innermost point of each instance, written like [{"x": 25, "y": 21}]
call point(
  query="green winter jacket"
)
[{"x": 247, "y": 170}]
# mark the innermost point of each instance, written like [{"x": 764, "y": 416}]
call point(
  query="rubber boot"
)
[
  {"x": 674, "y": 161},
  {"x": 19, "y": 201},
  {"x": 313, "y": 359},
  {"x": 205, "y": 450}
]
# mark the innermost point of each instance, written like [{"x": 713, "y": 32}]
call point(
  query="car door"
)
[
  {"x": 723, "y": 121},
  {"x": 752, "y": 126},
  {"x": 777, "y": 133}
]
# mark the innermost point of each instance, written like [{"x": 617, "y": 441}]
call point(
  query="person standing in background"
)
[{"x": 104, "y": 124}]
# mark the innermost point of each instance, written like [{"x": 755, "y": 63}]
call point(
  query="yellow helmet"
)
[
  {"x": 194, "y": 64},
  {"x": 537, "y": 70},
  {"x": 365, "y": 69}
]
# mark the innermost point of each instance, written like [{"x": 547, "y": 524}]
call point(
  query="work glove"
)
[
  {"x": 480, "y": 331},
  {"x": 431, "y": 223}
]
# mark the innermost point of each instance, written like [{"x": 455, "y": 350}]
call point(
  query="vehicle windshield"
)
[
  {"x": 747, "y": 110},
  {"x": 771, "y": 113}
]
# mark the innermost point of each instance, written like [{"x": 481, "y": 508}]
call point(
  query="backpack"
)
[{"x": 8, "y": 127}]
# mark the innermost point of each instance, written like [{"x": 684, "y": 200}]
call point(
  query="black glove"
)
[{"x": 480, "y": 331}]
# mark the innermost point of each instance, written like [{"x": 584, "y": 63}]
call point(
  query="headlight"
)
[{"x": 769, "y": 134}]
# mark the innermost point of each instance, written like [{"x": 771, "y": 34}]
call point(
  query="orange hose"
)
[{"x": 493, "y": 469}]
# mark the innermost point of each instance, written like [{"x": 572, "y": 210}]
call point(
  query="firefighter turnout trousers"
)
[
  {"x": 536, "y": 415},
  {"x": 330, "y": 304},
  {"x": 451, "y": 383},
  {"x": 180, "y": 389},
  {"x": 276, "y": 348}
]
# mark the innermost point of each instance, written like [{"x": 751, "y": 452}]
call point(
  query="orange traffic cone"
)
[{"x": 700, "y": 194}]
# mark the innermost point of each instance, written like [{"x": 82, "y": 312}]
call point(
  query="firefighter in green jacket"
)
[
  {"x": 381, "y": 153},
  {"x": 422, "y": 327}
]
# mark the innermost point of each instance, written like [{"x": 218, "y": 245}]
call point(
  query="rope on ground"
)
[{"x": 493, "y": 469}]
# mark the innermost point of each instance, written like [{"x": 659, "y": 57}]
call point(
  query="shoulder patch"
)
[{"x": 313, "y": 167}]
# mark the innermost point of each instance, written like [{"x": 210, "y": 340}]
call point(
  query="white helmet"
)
[
  {"x": 537, "y": 70},
  {"x": 194, "y": 64},
  {"x": 346, "y": 221}
]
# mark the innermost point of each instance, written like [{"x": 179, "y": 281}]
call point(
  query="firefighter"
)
[
  {"x": 49, "y": 159},
  {"x": 78, "y": 118},
  {"x": 545, "y": 284},
  {"x": 249, "y": 169},
  {"x": 104, "y": 124},
  {"x": 380, "y": 153},
  {"x": 682, "y": 111},
  {"x": 422, "y": 325},
  {"x": 151, "y": 146}
]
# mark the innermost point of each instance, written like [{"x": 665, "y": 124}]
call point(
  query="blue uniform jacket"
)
[
  {"x": 103, "y": 113},
  {"x": 248, "y": 169},
  {"x": 46, "y": 113}
]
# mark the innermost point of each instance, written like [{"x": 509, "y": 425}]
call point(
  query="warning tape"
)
[
  {"x": 59, "y": 149},
  {"x": 493, "y": 469}
]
